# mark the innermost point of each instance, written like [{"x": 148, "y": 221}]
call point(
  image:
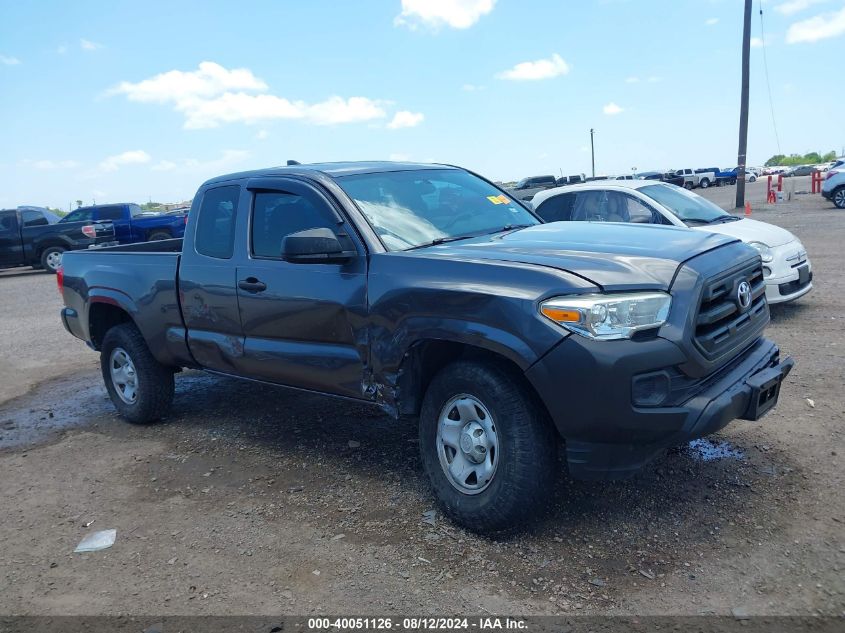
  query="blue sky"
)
[{"x": 139, "y": 100}]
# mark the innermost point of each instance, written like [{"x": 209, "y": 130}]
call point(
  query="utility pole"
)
[
  {"x": 593, "y": 151},
  {"x": 743, "y": 109}
]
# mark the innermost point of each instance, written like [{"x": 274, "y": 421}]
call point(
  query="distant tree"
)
[
  {"x": 78, "y": 203},
  {"x": 58, "y": 212},
  {"x": 811, "y": 158},
  {"x": 151, "y": 206}
]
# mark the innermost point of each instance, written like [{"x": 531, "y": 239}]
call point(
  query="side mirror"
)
[{"x": 314, "y": 246}]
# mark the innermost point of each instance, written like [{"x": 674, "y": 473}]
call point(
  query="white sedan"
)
[{"x": 786, "y": 267}]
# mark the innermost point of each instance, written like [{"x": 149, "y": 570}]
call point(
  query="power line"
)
[{"x": 768, "y": 83}]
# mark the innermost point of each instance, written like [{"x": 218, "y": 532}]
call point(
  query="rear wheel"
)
[
  {"x": 488, "y": 448},
  {"x": 156, "y": 236},
  {"x": 704, "y": 183},
  {"x": 51, "y": 258},
  {"x": 839, "y": 198},
  {"x": 140, "y": 387}
]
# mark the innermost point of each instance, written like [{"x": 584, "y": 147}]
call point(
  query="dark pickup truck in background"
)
[
  {"x": 32, "y": 236},
  {"x": 131, "y": 223},
  {"x": 426, "y": 291}
]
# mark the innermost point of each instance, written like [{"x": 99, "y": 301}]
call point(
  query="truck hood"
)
[
  {"x": 752, "y": 231},
  {"x": 612, "y": 256}
]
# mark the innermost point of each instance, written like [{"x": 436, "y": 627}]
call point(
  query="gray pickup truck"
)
[{"x": 426, "y": 291}]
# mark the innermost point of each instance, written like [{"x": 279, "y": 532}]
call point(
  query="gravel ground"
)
[{"x": 256, "y": 500}]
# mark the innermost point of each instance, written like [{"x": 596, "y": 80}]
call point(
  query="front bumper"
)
[
  {"x": 586, "y": 386},
  {"x": 789, "y": 275}
]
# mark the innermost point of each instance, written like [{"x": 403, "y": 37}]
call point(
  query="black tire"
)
[
  {"x": 153, "y": 381},
  {"x": 688, "y": 185},
  {"x": 526, "y": 444},
  {"x": 49, "y": 261},
  {"x": 156, "y": 236},
  {"x": 704, "y": 183},
  {"x": 838, "y": 198}
]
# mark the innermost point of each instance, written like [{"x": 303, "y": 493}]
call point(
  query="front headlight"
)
[
  {"x": 609, "y": 317},
  {"x": 765, "y": 251}
]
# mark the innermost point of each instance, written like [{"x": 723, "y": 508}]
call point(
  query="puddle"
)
[
  {"x": 52, "y": 407},
  {"x": 710, "y": 450}
]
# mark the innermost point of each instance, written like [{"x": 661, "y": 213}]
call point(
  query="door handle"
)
[{"x": 251, "y": 284}]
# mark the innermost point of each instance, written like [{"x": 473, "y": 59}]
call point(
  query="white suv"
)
[
  {"x": 833, "y": 187},
  {"x": 786, "y": 267}
]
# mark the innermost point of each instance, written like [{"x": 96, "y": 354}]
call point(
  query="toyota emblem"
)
[{"x": 743, "y": 295}]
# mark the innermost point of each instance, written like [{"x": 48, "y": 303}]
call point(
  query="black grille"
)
[{"x": 721, "y": 324}]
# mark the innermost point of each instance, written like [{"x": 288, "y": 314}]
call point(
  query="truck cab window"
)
[
  {"x": 110, "y": 213},
  {"x": 277, "y": 214},
  {"x": 80, "y": 215},
  {"x": 33, "y": 218},
  {"x": 215, "y": 235}
]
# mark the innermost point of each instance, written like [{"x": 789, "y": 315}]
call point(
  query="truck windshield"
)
[
  {"x": 688, "y": 207},
  {"x": 414, "y": 208}
]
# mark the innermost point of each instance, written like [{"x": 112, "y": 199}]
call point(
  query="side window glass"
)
[
  {"x": 277, "y": 214},
  {"x": 557, "y": 208},
  {"x": 80, "y": 215},
  {"x": 215, "y": 235},
  {"x": 640, "y": 212},
  {"x": 110, "y": 213},
  {"x": 590, "y": 206},
  {"x": 33, "y": 218},
  {"x": 8, "y": 222}
]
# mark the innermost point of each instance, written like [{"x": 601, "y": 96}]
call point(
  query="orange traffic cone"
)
[{"x": 747, "y": 209}]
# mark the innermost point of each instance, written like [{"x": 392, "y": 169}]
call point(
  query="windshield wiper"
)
[
  {"x": 509, "y": 227},
  {"x": 442, "y": 240},
  {"x": 722, "y": 219}
]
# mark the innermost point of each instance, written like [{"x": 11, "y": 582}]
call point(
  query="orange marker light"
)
[{"x": 561, "y": 315}]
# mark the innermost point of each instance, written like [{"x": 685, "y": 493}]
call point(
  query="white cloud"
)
[
  {"x": 539, "y": 69},
  {"x": 654, "y": 79},
  {"x": 434, "y": 14},
  {"x": 164, "y": 165},
  {"x": 399, "y": 157},
  {"x": 88, "y": 45},
  {"x": 261, "y": 135},
  {"x": 213, "y": 95},
  {"x": 817, "y": 28},
  {"x": 756, "y": 42},
  {"x": 132, "y": 157},
  {"x": 9, "y": 61},
  {"x": 711, "y": 21},
  {"x": 796, "y": 6},
  {"x": 632, "y": 80},
  {"x": 612, "y": 109},
  {"x": 405, "y": 118},
  {"x": 209, "y": 80},
  {"x": 61, "y": 50}
]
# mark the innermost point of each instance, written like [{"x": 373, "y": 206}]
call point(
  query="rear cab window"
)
[{"x": 215, "y": 232}]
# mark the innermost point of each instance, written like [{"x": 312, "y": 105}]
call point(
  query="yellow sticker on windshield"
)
[{"x": 498, "y": 199}]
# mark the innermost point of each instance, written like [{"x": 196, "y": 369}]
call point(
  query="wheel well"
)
[
  {"x": 159, "y": 230},
  {"x": 425, "y": 358},
  {"x": 44, "y": 247},
  {"x": 101, "y": 318}
]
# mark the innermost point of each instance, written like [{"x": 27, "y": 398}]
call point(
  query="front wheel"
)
[
  {"x": 688, "y": 185},
  {"x": 839, "y": 198},
  {"x": 140, "y": 387},
  {"x": 51, "y": 258},
  {"x": 487, "y": 446}
]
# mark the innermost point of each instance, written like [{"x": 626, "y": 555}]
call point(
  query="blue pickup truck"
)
[{"x": 131, "y": 223}]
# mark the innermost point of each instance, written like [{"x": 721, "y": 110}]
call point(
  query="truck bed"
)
[{"x": 141, "y": 277}]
